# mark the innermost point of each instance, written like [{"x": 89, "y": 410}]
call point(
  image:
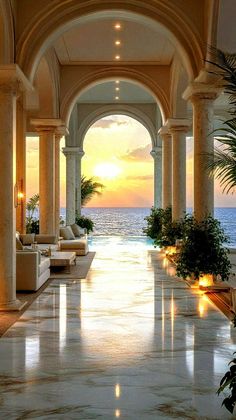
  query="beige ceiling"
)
[
  {"x": 94, "y": 42},
  {"x": 106, "y": 93}
]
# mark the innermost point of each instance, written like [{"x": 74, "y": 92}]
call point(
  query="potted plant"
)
[
  {"x": 155, "y": 221},
  {"x": 202, "y": 251},
  {"x": 84, "y": 222}
]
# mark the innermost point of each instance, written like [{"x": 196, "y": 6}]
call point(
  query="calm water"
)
[{"x": 129, "y": 221}]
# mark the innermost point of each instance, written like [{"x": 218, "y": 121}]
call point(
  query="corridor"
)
[{"x": 131, "y": 342}]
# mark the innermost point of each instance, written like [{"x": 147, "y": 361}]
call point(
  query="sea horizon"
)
[{"x": 130, "y": 221}]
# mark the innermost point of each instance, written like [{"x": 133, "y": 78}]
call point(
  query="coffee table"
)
[{"x": 63, "y": 259}]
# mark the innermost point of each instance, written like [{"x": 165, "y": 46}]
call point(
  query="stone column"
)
[
  {"x": 202, "y": 98},
  {"x": 21, "y": 166},
  {"x": 166, "y": 167},
  {"x": 80, "y": 154},
  {"x": 11, "y": 80},
  {"x": 156, "y": 153},
  {"x": 178, "y": 129},
  {"x": 47, "y": 208},
  {"x": 59, "y": 133},
  {"x": 57, "y": 182},
  {"x": 70, "y": 154},
  {"x": 47, "y": 129}
]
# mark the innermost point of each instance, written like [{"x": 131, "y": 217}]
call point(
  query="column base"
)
[{"x": 16, "y": 305}]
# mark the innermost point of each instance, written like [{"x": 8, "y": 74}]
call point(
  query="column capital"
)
[
  {"x": 12, "y": 79},
  {"x": 178, "y": 124},
  {"x": 164, "y": 133},
  {"x": 73, "y": 151},
  {"x": 155, "y": 152},
  {"x": 47, "y": 124},
  {"x": 61, "y": 131},
  {"x": 201, "y": 91}
]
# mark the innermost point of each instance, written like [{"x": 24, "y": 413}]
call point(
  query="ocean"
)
[{"x": 129, "y": 221}]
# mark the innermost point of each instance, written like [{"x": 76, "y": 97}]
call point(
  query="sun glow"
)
[{"x": 107, "y": 170}]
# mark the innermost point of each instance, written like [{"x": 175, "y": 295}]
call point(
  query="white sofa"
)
[
  {"x": 69, "y": 242},
  {"x": 32, "y": 270}
]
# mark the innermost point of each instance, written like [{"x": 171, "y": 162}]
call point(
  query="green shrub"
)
[
  {"x": 202, "y": 251},
  {"x": 155, "y": 221},
  {"x": 84, "y": 222},
  {"x": 170, "y": 232}
]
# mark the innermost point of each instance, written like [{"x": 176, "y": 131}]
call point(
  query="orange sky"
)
[{"x": 125, "y": 144}]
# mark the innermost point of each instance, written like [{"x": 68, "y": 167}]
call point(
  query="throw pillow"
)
[
  {"x": 66, "y": 233},
  {"x": 77, "y": 230},
  {"x": 27, "y": 239}
]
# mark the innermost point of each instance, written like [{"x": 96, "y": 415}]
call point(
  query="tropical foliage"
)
[
  {"x": 156, "y": 220},
  {"x": 89, "y": 188},
  {"x": 228, "y": 382},
  {"x": 224, "y": 168},
  {"x": 84, "y": 222},
  {"x": 32, "y": 223},
  {"x": 202, "y": 250},
  {"x": 224, "y": 164}
]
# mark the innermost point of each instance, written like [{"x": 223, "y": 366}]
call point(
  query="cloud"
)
[
  {"x": 108, "y": 123},
  {"x": 140, "y": 177},
  {"x": 139, "y": 154}
]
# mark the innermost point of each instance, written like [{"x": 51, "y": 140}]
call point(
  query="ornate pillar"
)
[
  {"x": 166, "y": 167},
  {"x": 202, "y": 98},
  {"x": 178, "y": 128},
  {"x": 71, "y": 154},
  {"x": 11, "y": 80},
  {"x": 156, "y": 153},
  {"x": 80, "y": 154},
  {"x": 60, "y": 132},
  {"x": 46, "y": 128},
  {"x": 21, "y": 165}
]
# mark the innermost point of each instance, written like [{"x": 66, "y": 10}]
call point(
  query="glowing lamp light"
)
[
  {"x": 171, "y": 250},
  {"x": 117, "y": 57},
  {"x": 205, "y": 281},
  {"x": 20, "y": 195},
  {"x": 117, "y": 42},
  {"x": 117, "y": 26}
]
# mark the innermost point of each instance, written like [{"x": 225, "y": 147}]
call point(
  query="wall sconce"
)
[{"x": 20, "y": 196}]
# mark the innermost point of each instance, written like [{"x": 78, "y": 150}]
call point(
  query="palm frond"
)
[{"x": 89, "y": 188}]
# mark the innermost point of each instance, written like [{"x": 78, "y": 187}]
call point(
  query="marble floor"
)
[{"x": 131, "y": 342}]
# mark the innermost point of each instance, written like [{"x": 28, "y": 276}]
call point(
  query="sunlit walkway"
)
[{"x": 130, "y": 342}]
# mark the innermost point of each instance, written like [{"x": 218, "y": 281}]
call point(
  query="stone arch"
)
[
  {"x": 125, "y": 109},
  {"x": 96, "y": 76},
  {"x": 60, "y": 17},
  {"x": 47, "y": 88},
  {"x": 7, "y": 39}
]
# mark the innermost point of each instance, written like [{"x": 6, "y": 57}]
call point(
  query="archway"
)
[
  {"x": 117, "y": 152},
  {"x": 54, "y": 21}
]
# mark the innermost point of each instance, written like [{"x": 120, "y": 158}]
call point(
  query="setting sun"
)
[{"x": 107, "y": 170}]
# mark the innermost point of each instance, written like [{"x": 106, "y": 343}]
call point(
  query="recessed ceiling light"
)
[
  {"x": 117, "y": 82},
  {"x": 117, "y": 97},
  {"x": 117, "y": 42},
  {"x": 117, "y": 26},
  {"x": 117, "y": 88},
  {"x": 117, "y": 57}
]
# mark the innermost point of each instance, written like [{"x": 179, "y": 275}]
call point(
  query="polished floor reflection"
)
[{"x": 131, "y": 342}]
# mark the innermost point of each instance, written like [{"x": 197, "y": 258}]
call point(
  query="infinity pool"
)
[{"x": 126, "y": 242}]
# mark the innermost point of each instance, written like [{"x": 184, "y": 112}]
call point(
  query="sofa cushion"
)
[
  {"x": 74, "y": 244},
  {"x": 46, "y": 239},
  {"x": 27, "y": 239},
  {"x": 66, "y": 233},
  {"x": 77, "y": 230}
]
